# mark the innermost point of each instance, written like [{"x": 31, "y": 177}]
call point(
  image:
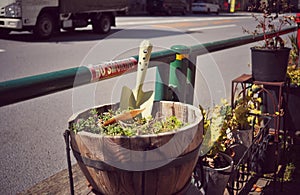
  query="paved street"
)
[{"x": 32, "y": 145}]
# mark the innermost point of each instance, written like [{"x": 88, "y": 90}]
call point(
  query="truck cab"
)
[{"x": 17, "y": 15}]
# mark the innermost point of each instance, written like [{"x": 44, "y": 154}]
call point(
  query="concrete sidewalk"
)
[
  {"x": 266, "y": 185},
  {"x": 59, "y": 183}
]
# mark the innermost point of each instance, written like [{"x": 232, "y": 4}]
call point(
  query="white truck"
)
[{"x": 46, "y": 17}]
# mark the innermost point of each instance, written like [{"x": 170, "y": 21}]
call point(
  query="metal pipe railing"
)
[
  {"x": 22, "y": 89},
  {"x": 26, "y": 88},
  {"x": 235, "y": 42}
]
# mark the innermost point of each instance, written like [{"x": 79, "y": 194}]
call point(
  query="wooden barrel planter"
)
[{"x": 153, "y": 164}]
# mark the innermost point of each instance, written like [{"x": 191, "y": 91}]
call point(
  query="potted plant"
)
[
  {"x": 131, "y": 147},
  {"x": 243, "y": 120},
  {"x": 217, "y": 165},
  {"x": 291, "y": 92},
  {"x": 228, "y": 132},
  {"x": 269, "y": 61}
]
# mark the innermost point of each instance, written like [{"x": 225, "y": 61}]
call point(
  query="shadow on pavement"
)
[{"x": 88, "y": 35}]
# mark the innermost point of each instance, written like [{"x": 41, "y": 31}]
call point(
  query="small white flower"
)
[
  {"x": 229, "y": 134},
  {"x": 228, "y": 131}
]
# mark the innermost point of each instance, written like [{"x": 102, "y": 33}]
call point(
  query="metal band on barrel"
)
[{"x": 104, "y": 166}]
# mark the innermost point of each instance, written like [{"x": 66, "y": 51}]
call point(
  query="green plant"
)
[
  {"x": 221, "y": 121},
  {"x": 294, "y": 53},
  {"x": 293, "y": 70},
  {"x": 268, "y": 23},
  {"x": 94, "y": 123},
  {"x": 288, "y": 172},
  {"x": 217, "y": 135},
  {"x": 245, "y": 108}
]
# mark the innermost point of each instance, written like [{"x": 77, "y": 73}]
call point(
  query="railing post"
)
[
  {"x": 191, "y": 77},
  {"x": 161, "y": 83},
  {"x": 179, "y": 73}
]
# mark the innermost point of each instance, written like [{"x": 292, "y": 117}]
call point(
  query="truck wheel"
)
[
  {"x": 44, "y": 27},
  {"x": 102, "y": 25},
  {"x": 4, "y": 32}
]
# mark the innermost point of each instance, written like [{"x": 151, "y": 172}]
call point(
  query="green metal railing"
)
[{"x": 22, "y": 89}]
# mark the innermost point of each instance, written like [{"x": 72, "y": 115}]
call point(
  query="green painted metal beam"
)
[
  {"x": 234, "y": 42},
  {"x": 26, "y": 88},
  {"x": 34, "y": 86},
  {"x": 22, "y": 89}
]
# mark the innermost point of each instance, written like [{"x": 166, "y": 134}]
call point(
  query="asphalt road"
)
[{"x": 32, "y": 145}]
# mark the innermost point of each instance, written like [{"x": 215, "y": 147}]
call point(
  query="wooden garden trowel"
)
[{"x": 137, "y": 98}]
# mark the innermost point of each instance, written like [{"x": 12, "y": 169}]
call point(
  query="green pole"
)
[
  {"x": 178, "y": 73},
  {"x": 191, "y": 77},
  {"x": 162, "y": 73},
  {"x": 160, "y": 87}
]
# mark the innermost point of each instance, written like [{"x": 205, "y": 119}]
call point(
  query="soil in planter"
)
[
  {"x": 129, "y": 127},
  {"x": 218, "y": 161}
]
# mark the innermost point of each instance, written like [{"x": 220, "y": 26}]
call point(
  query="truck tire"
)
[
  {"x": 4, "y": 32},
  {"x": 44, "y": 27},
  {"x": 102, "y": 24}
]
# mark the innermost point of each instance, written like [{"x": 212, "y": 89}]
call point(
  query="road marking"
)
[
  {"x": 2, "y": 50},
  {"x": 211, "y": 27},
  {"x": 157, "y": 21},
  {"x": 191, "y": 24}
]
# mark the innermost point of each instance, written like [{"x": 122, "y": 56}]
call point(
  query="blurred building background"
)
[{"x": 136, "y": 7}]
